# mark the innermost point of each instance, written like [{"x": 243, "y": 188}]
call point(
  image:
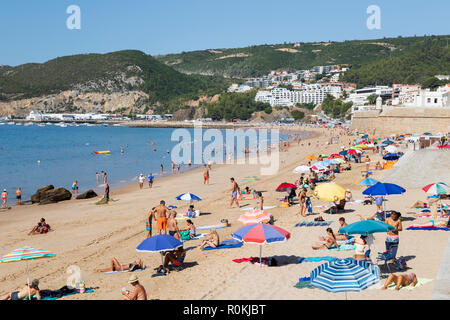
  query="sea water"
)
[{"x": 33, "y": 156}]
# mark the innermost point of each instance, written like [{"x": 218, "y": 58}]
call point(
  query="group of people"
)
[{"x": 5, "y": 197}]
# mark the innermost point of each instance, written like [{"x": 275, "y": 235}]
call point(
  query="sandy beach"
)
[{"x": 89, "y": 235}]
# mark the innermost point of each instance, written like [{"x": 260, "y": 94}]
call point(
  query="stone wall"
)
[{"x": 398, "y": 120}]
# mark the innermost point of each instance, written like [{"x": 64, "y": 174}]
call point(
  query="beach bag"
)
[
  {"x": 185, "y": 235},
  {"x": 400, "y": 264}
]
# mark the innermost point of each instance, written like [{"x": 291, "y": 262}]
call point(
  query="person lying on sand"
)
[
  {"x": 328, "y": 242},
  {"x": 22, "y": 294},
  {"x": 443, "y": 223},
  {"x": 338, "y": 206},
  {"x": 175, "y": 257},
  {"x": 211, "y": 240},
  {"x": 116, "y": 266},
  {"x": 419, "y": 204},
  {"x": 40, "y": 228},
  {"x": 138, "y": 293},
  {"x": 403, "y": 280}
]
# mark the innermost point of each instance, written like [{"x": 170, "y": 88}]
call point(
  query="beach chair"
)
[{"x": 389, "y": 255}]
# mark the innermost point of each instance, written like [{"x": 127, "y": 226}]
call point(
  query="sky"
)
[{"x": 36, "y": 31}]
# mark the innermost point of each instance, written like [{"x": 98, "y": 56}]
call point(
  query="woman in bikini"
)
[
  {"x": 330, "y": 241},
  {"x": 211, "y": 240},
  {"x": 403, "y": 280},
  {"x": 116, "y": 266}
]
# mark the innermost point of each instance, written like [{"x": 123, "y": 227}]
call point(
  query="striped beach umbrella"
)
[
  {"x": 436, "y": 188},
  {"x": 187, "y": 197},
  {"x": 26, "y": 253},
  {"x": 335, "y": 156},
  {"x": 353, "y": 151},
  {"x": 344, "y": 275},
  {"x": 367, "y": 182},
  {"x": 261, "y": 233},
  {"x": 254, "y": 216},
  {"x": 301, "y": 169}
]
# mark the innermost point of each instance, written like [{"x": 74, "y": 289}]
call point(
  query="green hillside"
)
[
  {"x": 116, "y": 71},
  {"x": 259, "y": 60},
  {"x": 409, "y": 68}
]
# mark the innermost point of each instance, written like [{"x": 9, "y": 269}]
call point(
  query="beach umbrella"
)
[
  {"x": 301, "y": 169},
  {"x": 285, "y": 187},
  {"x": 391, "y": 156},
  {"x": 329, "y": 192},
  {"x": 323, "y": 155},
  {"x": 254, "y": 216},
  {"x": 335, "y": 161},
  {"x": 343, "y": 275},
  {"x": 388, "y": 142},
  {"x": 319, "y": 168},
  {"x": 261, "y": 233},
  {"x": 365, "y": 136},
  {"x": 187, "y": 197},
  {"x": 335, "y": 156},
  {"x": 383, "y": 189},
  {"x": 366, "y": 227},
  {"x": 343, "y": 152},
  {"x": 427, "y": 134},
  {"x": 25, "y": 254},
  {"x": 159, "y": 243},
  {"x": 324, "y": 163},
  {"x": 391, "y": 149},
  {"x": 367, "y": 182},
  {"x": 311, "y": 157},
  {"x": 436, "y": 188},
  {"x": 362, "y": 146},
  {"x": 353, "y": 151}
]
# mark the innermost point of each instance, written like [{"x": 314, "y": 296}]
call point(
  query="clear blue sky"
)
[{"x": 35, "y": 31}]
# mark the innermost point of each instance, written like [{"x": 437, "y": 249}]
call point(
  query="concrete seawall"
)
[{"x": 398, "y": 120}]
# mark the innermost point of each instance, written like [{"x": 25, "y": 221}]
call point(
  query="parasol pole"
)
[
  {"x": 28, "y": 283},
  {"x": 260, "y": 255},
  {"x": 162, "y": 261}
]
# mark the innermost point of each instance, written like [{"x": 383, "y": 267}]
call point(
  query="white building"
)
[
  {"x": 359, "y": 98},
  {"x": 434, "y": 99}
]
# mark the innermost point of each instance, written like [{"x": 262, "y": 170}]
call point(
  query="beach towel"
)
[
  {"x": 304, "y": 283},
  {"x": 313, "y": 223},
  {"x": 344, "y": 247},
  {"x": 227, "y": 244},
  {"x": 354, "y": 202},
  {"x": 264, "y": 208},
  {"x": 110, "y": 272},
  {"x": 217, "y": 226},
  {"x": 420, "y": 282},
  {"x": 315, "y": 259},
  {"x": 60, "y": 293},
  {"x": 197, "y": 236},
  {"x": 428, "y": 228},
  {"x": 251, "y": 259}
]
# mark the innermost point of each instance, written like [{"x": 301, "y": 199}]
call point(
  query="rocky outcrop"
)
[
  {"x": 49, "y": 194},
  {"x": 87, "y": 195}
]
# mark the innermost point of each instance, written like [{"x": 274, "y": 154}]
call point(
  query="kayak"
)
[{"x": 102, "y": 152}]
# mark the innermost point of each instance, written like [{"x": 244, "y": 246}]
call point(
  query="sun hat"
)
[{"x": 133, "y": 278}]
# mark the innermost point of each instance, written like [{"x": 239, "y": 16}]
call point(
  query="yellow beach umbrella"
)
[
  {"x": 329, "y": 192},
  {"x": 311, "y": 157},
  {"x": 362, "y": 146}
]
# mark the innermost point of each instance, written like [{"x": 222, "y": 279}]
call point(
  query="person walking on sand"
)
[
  {"x": 173, "y": 167},
  {"x": 106, "y": 195},
  {"x": 141, "y": 180},
  {"x": 4, "y": 197},
  {"x": 75, "y": 187},
  {"x": 235, "y": 190},
  {"x": 162, "y": 169},
  {"x": 150, "y": 180},
  {"x": 19, "y": 196},
  {"x": 148, "y": 222},
  {"x": 178, "y": 168},
  {"x": 206, "y": 175},
  {"x": 161, "y": 217}
]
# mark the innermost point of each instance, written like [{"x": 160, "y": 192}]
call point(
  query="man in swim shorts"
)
[
  {"x": 23, "y": 293},
  {"x": 172, "y": 225},
  {"x": 206, "y": 175},
  {"x": 19, "y": 196},
  {"x": 150, "y": 180},
  {"x": 235, "y": 190},
  {"x": 161, "y": 217}
]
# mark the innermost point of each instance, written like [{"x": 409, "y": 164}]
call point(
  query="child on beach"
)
[
  {"x": 148, "y": 222},
  {"x": 150, "y": 180}
]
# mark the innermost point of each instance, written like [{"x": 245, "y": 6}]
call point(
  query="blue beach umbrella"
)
[
  {"x": 159, "y": 243},
  {"x": 188, "y": 197},
  {"x": 368, "y": 182},
  {"x": 343, "y": 152},
  {"x": 344, "y": 275},
  {"x": 391, "y": 156},
  {"x": 366, "y": 227},
  {"x": 383, "y": 189}
]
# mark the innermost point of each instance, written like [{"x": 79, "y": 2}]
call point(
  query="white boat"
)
[
  {"x": 28, "y": 124},
  {"x": 117, "y": 125},
  {"x": 48, "y": 123},
  {"x": 41, "y": 125},
  {"x": 11, "y": 122},
  {"x": 105, "y": 124},
  {"x": 18, "y": 124}
]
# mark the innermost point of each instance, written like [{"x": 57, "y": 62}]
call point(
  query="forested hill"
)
[
  {"x": 117, "y": 71},
  {"x": 259, "y": 60}
]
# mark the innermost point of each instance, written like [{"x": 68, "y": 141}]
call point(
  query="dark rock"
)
[
  {"x": 35, "y": 198},
  {"x": 51, "y": 195},
  {"x": 87, "y": 195}
]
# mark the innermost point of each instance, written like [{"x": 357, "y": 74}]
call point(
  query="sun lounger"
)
[{"x": 226, "y": 244}]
